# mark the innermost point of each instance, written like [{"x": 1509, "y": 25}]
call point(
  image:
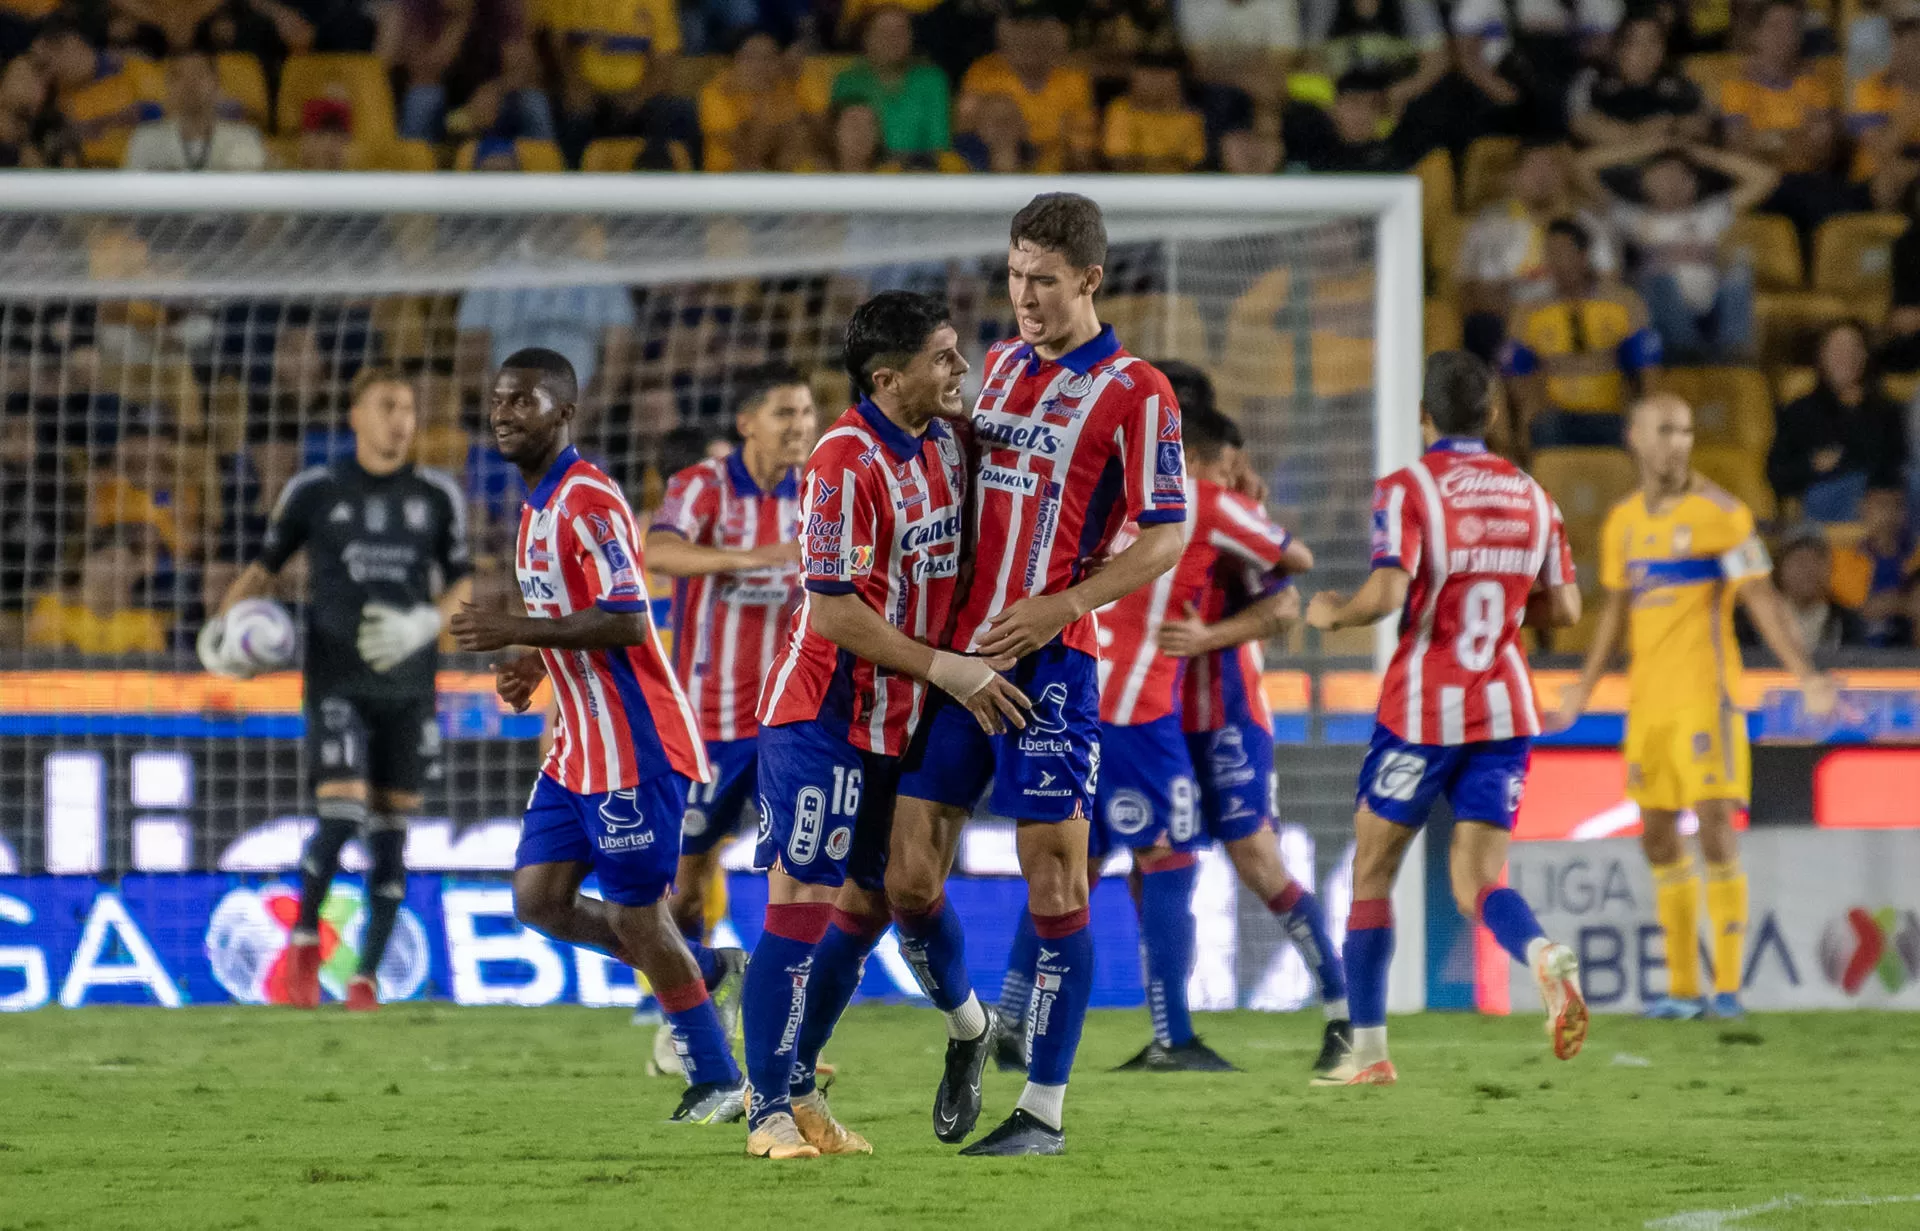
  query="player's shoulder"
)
[
  {"x": 441, "y": 484},
  {"x": 850, "y": 444},
  {"x": 1722, "y": 502},
  {"x": 585, "y": 485},
  {"x": 707, "y": 470},
  {"x": 309, "y": 484}
]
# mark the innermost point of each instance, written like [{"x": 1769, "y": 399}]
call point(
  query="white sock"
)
[
  {"x": 302, "y": 936},
  {"x": 1043, "y": 1103},
  {"x": 1369, "y": 1045},
  {"x": 1534, "y": 947},
  {"x": 967, "y": 1021},
  {"x": 1336, "y": 1010}
]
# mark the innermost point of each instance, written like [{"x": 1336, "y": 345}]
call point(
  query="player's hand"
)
[
  {"x": 1820, "y": 694},
  {"x": 479, "y": 631},
  {"x": 774, "y": 555},
  {"x": 1322, "y": 609},
  {"x": 210, "y": 645},
  {"x": 1186, "y": 637},
  {"x": 999, "y": 705},
  {"x": 391, "y": 635},
  {"x": 515, "y": 679},
  {"x": 1573, "y": 703},
  {"x": 1248, "y": 483},
  {"x": 1027, "y": 625}
]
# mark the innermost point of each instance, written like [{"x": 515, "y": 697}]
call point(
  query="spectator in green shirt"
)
[{"x": 910, "y": 98}]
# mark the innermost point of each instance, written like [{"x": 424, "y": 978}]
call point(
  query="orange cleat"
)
[
  {"x": 1379, "y": 1073},
  {"x": 1558, "y": 973},
  {"x": 362, "y": 996},
  {"x": 303, "y": 974}
]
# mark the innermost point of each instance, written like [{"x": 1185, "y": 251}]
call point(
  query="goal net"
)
[{"x": 177, "y": 347}]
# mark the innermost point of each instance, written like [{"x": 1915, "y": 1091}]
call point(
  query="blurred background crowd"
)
[{"x": 1716, "y": 198}]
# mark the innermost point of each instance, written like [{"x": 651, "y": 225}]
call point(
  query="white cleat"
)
[
  {"x": 665, "y": 1060},
  {"x": 1558, "y": 972},
  {"x": 779, "y": 1137}
]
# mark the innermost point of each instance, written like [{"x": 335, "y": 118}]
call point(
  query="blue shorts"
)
[
  {"x": 826, "y": 807},
  {"x": 631, "y": 836},
  {"x": 1234, "y": 766},
  {"x": 1047, "y": 771},
  {"x": 715, "y": 809},
  {"x": 1146, "y": 789},
  {"x": 1482, "y": 781}
]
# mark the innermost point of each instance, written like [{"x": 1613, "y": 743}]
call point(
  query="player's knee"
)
[
  {"x": 910, "y": 890},
  {"x": 538, "y": 907}
]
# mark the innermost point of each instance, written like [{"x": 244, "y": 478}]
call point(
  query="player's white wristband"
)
[{"x": 959, "y": 675}]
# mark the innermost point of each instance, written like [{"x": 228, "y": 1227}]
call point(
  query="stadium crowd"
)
[{"x": 1714, "y": 198}]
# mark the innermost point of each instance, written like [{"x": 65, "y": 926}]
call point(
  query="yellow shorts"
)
[{"x": 1678, "y": 758}]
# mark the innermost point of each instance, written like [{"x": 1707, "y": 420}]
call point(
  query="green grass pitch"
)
[{"x": 431, "y": 1116}]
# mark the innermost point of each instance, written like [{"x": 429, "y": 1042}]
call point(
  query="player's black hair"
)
[
  {"x": 1207, "y": 431},
  {"x": 888, "y": 330},
  {"x": 686, "y": 446},
  {"x": 1458, "y": 393},
  {"x": 1573, "y": 231},
  {"x": 751, "y": 387},
  {"x": 1063, "y": 222},
  {"x": 1192, "y": 388},
  {"x": 556, "y": 371}
]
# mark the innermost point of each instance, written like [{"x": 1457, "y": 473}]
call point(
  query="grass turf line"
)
[{"x": 429, "y": 1116}]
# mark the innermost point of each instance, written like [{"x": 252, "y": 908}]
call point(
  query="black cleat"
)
[
  {"x": 1009, "y": 1049},
  {"x": 1193, "y": 1056},
  {"x": 1335, "y": 1063},
  {"x": 956, "y": 1107},
  {"x": 1149, "y": 1059},
  {"x": 1019, "y": 1134}
]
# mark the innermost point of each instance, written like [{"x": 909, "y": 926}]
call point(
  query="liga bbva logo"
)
[{"x": 247, "y": 945}]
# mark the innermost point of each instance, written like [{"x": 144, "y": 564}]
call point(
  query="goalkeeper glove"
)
[{"x": 389, "y": 636}]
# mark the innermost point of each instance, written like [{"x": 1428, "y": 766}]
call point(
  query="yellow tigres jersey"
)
[{"x": 1683, "y": 567}]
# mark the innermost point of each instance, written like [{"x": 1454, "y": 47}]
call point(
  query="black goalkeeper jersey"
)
[{"x": 398, "y": 539}]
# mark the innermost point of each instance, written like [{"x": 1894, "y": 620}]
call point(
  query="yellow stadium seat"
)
[
  {"x": 1709, "y": 70},
  {"x": 401, "y": 155},
  {"x": 1731, "y": 406},
  {"x": 1485, "y": 178},
  {"x": 611, "y": 154},
  {"x": 1853, "y": 256},
  {"x": 243, "y": 82},
  {"x": 542, "y": 156},
  {"x": 1442, "y": 326},
  {"x": 1586, "y": 483},
  {"x": 1772, "y": 246},
  {"x": 689, "y": 73},
  {"x": 362, "y": 77},
  {"x": 1741, "y": 471},
  {"x": 1792, "y": 383},
  {"x": 1159, "y": 326},
  {"x": 1788, "y": 323},
  {"x": 1436, "y": 188},
  {"x": 1341, "y": 364},
  {"x": 1443, "y": 251}
]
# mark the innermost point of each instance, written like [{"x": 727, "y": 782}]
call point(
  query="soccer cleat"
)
[
  {"x": 1675, "y": 1008},
  {"x": 956, "y": 1105},
  {"x": 1334, "y": 1066},
  {"x": 726, "y": 990},
  {"x": 778, "y": 1137},
  {"x": 362, "y": 996},
  {"x": 1009, "y": 1048},
  {"x": 1379, "y": 1073},
  {"x": 713, "y": 1102},
  {"x": 1019, "y": 1134},
  {"x": 1558, "y": 972},
  {"x": 665, "y": 1060},
  {"x": 1726, "y": 1006},
  {"x": 1148, "y": 1059},
  {"x": 817, "y": 1124},
  {"x": 1194, "y": 1056},
  {"x": 303, "y": 974}
]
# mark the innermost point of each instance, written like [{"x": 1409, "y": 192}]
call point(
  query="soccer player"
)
[
  {"x": 1465, "y": 546},
  {"x": 728, "y": 531},
  {"x": 386, "y": 545},
  {"x": 1074, "y": 437},
  {"x": 1185, "y": 731},
  {"x": 884, "y": 495},
  {"x": 609, "y": 799},
  {"x": 1674, "y": 557}
]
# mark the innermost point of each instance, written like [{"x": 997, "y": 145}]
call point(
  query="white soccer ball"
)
[{"x": 259, "y": 635}]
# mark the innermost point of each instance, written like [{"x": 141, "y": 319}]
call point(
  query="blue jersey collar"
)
[
  {"x": 1083, "y": 358},
  {"x": 556, "y": 472},
  {"x": 902, "y": 444},
  {"x": 1458, "y": 444},
  {"x": 788, "y": 488}
]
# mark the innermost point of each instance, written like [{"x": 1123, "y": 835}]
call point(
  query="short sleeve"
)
[
  {"x": 1242, "y": 531},
  {"x": 838, "y": 522},
  {"x": 691, "y": 506},
  {"x": 1397, "y": 532},
  {"x": 1151, "y": 455},
  {"x": 1557, "y": 568},
  {"x": 1613, "y": 550},
  {"x": 603, "y": 549},
  {"x": 291, "y": 521}
]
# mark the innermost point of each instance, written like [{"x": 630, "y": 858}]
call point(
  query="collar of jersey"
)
[
  {"x": 1082, "y": 358},
  {"x": 555, "y": 473},
  {"x": 1458, "y": 444},
  {"x": 902, "y": 444},
  {"x": 788, "y": 488}
]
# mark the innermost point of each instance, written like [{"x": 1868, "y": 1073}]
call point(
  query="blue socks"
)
[
  {"x": 837, "y": 964},
  {"x": 1016, "y": 989},
  {"x": 774, "y": 1001},
  {"x": 1167, "y": 933},
  {"x": 935, "y": 946},
  {"x": 1306, "y": 924},
  {"x": 1369, "y": 952},
  {"x": 697, "y": 1035},
  {"x": 1063, "y": 984},
  {"x": 1510, "y": 919}
]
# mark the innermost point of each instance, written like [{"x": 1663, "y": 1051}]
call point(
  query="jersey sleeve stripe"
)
[
  {"x": 298, "y": 481},
  {"x": 455, "y": 498},
  {"x": 1396, "y": 548}
]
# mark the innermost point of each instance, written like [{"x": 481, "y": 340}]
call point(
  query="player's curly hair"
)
[
  {"x": 1063, "y": 222},
  {"x": 1458, "y": 393},
  {"x": 888, "y": 330},
  {"x": 556, "y": 370}
]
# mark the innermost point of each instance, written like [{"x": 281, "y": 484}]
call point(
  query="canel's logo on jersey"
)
[
  {"x": 535, "y": 587},
  {"x": 1033, "y": 437},
  {"x": 926, "y": 534}
]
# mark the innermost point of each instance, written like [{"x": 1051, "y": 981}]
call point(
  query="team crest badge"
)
[
  {"x": 1078, "y": 385},
  {"x": 375, "y": 514},
  {"x": 1682, "y": 539},
  {"x": 415, "y": 513}
]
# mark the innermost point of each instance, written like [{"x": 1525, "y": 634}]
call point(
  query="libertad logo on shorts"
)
[{"x": 620, "y": 812}]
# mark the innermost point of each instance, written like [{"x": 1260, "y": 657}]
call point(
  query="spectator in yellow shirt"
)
[
  {"x": 1030, "y": 68},
  {"x": 1876, "y": 576},
  {"x": 1776, "y": 93},
  {"x": 997, "y": 142},
  {"x": 101, "y": 95},
  {"x": 98, "y": 615},
  {"x": 1150, "y": 128},
  {"x": 1883, "y": 113},
  {"x": 757, "y": 109}
]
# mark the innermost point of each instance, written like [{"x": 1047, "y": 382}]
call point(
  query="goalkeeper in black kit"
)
[{"x": 387, "y": 564}]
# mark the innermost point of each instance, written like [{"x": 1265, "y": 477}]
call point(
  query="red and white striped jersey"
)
[
  {"x": 1224, "y": 688},
  {"x": 882, "y": 519},
  {"x": 728, "y": 627},
  {"x": 1069, "y": 451},
  {"x": 623, "y": 718},
  {"x": 1478, "y": 536},
  {"x": 1138, "y": 683}
]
